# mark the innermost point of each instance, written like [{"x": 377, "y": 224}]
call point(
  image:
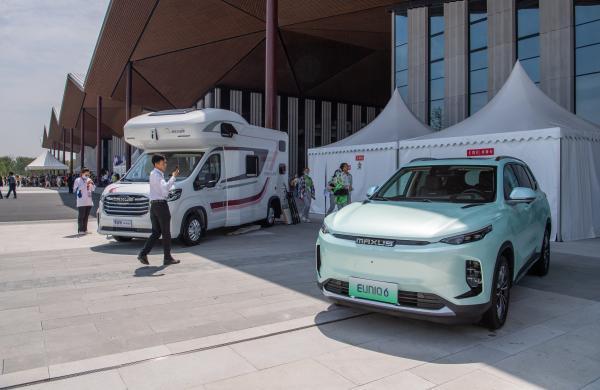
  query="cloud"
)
[{"x": 40, "y": 42}]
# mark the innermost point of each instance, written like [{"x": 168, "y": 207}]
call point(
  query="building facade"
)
[{"x": 451, "y": 57}]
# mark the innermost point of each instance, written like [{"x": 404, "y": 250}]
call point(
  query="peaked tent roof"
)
[
  {"x": 519, "y": 106},
  {"x": 395, "y": 122},
  {"x": 46, "y": 161}
]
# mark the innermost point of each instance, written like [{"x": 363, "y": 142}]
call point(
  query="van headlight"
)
[
  {"x": 325, "y": 229},
  {"x": 468, "y": 237},
  {"x": 174, "y": 194}
]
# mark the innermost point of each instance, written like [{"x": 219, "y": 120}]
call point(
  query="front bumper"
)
[{"x": 141, "y": 227}]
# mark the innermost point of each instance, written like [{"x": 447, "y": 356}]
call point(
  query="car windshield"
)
[
  {"x": 441, "y": 183},
  {"x": 187, "y": 161}
]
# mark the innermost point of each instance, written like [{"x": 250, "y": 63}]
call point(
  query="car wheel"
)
[
  {"x": 192, "y": 230},
  {"x": 270, "y": 220},
  {"x": 122, "y": 238},
  {"x": 495, "y": 317},
  {"x": 542, "y": 266}
]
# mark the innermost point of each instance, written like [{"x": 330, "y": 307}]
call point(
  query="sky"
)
[{"x": 40, "y": 42}]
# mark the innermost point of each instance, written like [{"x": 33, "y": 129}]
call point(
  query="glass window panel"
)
[
  {"x": 436, "y": 47},
  {"x": 436, "y": 113},
  {"x": 476, "y": 16},
  {"x": 478, "y": 35},
  {"x": 587, "y": 97},
  {"x": 529, "y": 47},
  {"x": 404, "y": 92},
  {"x": 587, "y": 34},
  {"x": 528, "y": 21},
  {"x": 401, "y": 29},
  {"x": 478, "y": 60},
  {"x": 587, "y": 59},
  {"x": 436, "y": 70},
  {"x": 436, "y": 24},
  {"x": 477, "y": 10},
  {"x": 436, "y": 89},
  {"x": 532, "y": 67},
  {"x": 401, "y": 78},
  {"x": 587, "y": 11},
  {"x": 477, "y": 101},
  {"x": 478, "y": 81},
  {"x": 402, "y": 57}
]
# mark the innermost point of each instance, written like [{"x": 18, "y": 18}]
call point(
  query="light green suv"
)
[{"x": 442, "y": 240}]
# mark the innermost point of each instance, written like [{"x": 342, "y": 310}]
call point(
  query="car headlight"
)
[
  {"x": 468, "y": 237},
  {"x": 174, "y": 194},
  {"x": 325, "y": 229}
]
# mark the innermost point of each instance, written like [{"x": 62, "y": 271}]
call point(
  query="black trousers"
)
[
  {"x": 160, "y": 216},
  {"x": 82, "y": 218},
  {"x": 12, "y": 188}
]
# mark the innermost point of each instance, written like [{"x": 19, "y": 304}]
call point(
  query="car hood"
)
[
  {"x": 127, "y": 188},
  {"x": 411, "y": 220}
]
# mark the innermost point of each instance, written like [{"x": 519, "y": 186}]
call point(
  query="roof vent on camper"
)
[
  {"x": 176, "y": 111},
  {"x": 228, "y": 130}
]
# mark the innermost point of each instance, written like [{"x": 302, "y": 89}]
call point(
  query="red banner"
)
[
  {"x": 359, "y": 157},
  {"x": 480, "y": 152}
]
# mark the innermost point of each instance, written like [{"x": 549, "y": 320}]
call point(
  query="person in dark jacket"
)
[{"x": 12, "y": 185}]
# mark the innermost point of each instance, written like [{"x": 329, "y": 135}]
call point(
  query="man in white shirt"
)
[
  {"x": 160, "y": 216},
  {"x": 84, "y": 188}
]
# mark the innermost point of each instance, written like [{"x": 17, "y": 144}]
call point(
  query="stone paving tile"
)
[
  {"x": 25, "y": 376},
  {"x": 96, "y": 381},
  {"x": 523, "y": 339},
  {"x": 305, "y": 374},
  {"x": 482, "y": 380},
  {"x": 25, "y": 362},
  {"x": 402, "y": 380},
  {"x": 595, "y": 385}
]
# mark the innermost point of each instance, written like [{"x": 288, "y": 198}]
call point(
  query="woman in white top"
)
[{"x": 84, "y": 188}]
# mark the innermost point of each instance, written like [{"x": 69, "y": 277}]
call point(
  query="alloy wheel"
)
[
  {"x": 194, "y": 229},
  {"x": 502, "y": 291}
]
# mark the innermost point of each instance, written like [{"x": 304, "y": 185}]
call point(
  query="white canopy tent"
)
[
  {"x": 372, "y": 152},
  {"x": 46, "y": 162},
  {"x": 562, "y": 150}
]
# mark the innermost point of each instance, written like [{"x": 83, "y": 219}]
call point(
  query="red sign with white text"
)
[
  {"x": 360, "y": 157},
  {"x": 480, "y": 152}
]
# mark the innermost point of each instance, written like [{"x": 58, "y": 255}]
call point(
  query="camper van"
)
[{"x": 231, "y": 173}]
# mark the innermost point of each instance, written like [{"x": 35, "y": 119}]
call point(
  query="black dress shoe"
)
[
  {"x": 170, "y": 261},
  {"x": 143, "y": 259}
]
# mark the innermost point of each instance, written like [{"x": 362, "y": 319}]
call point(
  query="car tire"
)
[
  {"x": 495, "y": 317},
  {"x": 542, "y": 265},
  {"x": 122, "y": 238},
  {"x": 270, "y": 220},
  {"x": 192, "y": 230}
]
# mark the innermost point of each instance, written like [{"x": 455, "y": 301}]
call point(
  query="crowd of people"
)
[{"x": 339, "y": 189}]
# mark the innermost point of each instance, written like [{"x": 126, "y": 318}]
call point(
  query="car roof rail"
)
[
  {"x": 422, "y": 159},
  {"x": 507, "y": 157}
]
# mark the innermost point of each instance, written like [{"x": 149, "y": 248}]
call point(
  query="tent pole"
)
[{"x": 560, "y": 185}]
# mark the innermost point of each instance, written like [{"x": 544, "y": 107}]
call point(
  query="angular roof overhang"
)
[{"x": 331, "y": 49}]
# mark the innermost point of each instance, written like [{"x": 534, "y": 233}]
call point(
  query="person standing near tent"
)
[
  {"x": 330, "y": 189},
  {"x": 84, "y": 188},
  {"x": 306, "y": 193},
  {"x": 12, "y": 185},
  {"x": 342, "y": 186}
]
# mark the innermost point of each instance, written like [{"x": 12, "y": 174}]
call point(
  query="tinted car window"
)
[
  {"x": 531, "y": 178},
  {"x": 510, "y": 180},
  {"x": 522, "y": 176}
]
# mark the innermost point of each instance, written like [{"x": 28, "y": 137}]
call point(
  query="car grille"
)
[
  {"x": 405, "y": 298},
  {"x": 132, "y": 205}
]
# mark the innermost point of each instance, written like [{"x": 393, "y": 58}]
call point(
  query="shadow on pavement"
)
[{"x": 149, "y": 271}]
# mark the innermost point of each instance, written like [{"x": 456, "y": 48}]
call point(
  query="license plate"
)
[
  {"x": 122, "y": 223},
  {"x": 373, "y": 290}
]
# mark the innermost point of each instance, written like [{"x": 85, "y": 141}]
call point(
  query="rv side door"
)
[{"x": 210, "y": 187}]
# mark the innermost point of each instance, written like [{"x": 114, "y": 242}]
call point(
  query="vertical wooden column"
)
[
  {"x": 71, "y": 149},
  {"x": 270, "y": 75},
  {"x": 64, "y": 148},
  {"x": 128, "y": 104},
  {"x": 82, "y": 140},
  {"x": 98, "y": 138}
]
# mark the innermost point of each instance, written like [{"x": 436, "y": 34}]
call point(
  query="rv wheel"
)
[
  {"x": 122, "y": 238},
  {"x": 270, "y": 220},
  {"x": 192, "y": 230}
]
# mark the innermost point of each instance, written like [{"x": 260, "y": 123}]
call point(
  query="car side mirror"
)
[
  {"x": 522, "y": 195},
  {"x": 371, "y": 191}
]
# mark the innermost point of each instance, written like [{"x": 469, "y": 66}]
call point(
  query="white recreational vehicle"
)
[{"x": 231, "y": 173}]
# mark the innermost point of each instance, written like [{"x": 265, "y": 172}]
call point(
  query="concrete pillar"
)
[
  {"x": 128, "y": 105},
  {"x": 270, "y": 72},
  {"x": 557, "y": 51},
  {"x": 418, "y": 62},
  {"x": 71, "y": 149},
  {"x": 82, "y": 139},
  {"x": 292, "y": 120},
  {"x": 456, "y": 62},
  {"x": 501, "y": 42},
  {"x": 325, "y": 123},
  {"x": 309, "y": 124},
  {"x": 98, "y": 138}
]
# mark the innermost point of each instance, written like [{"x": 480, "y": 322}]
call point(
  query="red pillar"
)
[
  {"x": 270, "y": 76},
  {"x": 128, "y": 103},
  {"x": 98, "y": 138},
  {"x": 71, "y": 150},
  {"x": 64, "y": 136},
  {"x": 81, "y": 140}
]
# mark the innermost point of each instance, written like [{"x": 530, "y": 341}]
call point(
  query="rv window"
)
[
  {"x": 187, "y": 161},
  {"x": 210, "y": 173},
  {"x": 251, "y": 165},
  {"x": 282, "y": 146}
]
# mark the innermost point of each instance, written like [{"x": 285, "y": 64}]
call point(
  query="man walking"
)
[
  {"x": 84, "y": 187},
  {"x": 12, "y": 185},
  {"x": 160, "y": 216}
]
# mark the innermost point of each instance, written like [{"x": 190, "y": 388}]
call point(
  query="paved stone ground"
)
[{"x": 244, "y": 312}]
